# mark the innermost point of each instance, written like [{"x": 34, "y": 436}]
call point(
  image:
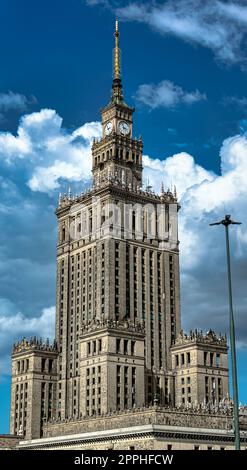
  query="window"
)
[
  {"x": 132, "y": 348},
  {"x": 50, "y": 365},
  {"x": 217, "y": 360},
  {"x": 118, "y": 344},
  {"x": 196, "y": 447},
  {"x": 125, "y": 346},
  {"x": 177, "y": 360},
  {"x": 188, "y": 358},
  {"x": 182, "y": 359},
  {"x": 205, "y": 358},
  {"x": 169, "y": 446},
  {"x": 43, "y": 364},
  {"x": 211, "y": 359}
]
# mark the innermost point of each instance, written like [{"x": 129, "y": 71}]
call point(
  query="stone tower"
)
[
  {"x": 200, "y": 366},
  {"x": 33, "y": 390},
  {"x": 118, "y": 343},
  {"x": 116, "y": 263}
]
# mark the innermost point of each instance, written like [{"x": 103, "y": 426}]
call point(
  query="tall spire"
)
[
  {"x": 117, "y": 96},
  {"x": 117, "y": 53}
]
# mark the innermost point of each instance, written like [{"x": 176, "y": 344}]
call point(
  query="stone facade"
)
[
  {"x": 119, "y": 349},
  {"x": 201, "y": 369},
  {"x": 34, "y": 382},
  {"x": 153, "y": 428}
]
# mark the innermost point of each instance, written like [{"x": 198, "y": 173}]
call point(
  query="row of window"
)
[
  {"x": 119, "y": 153},
  {"x": 182, "y": 359}
]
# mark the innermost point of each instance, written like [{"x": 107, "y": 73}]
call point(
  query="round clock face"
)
[
  {"x": 108, "y": 128},
  {"x": 124, "y": 127}
]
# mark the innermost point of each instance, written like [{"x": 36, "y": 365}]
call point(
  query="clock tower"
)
[{"x": 117, "y": 155}]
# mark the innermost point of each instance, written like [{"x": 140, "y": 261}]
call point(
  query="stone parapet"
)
[
  {"x": 191, "y": 417},
  {"x": 34, "y": 344},
  {"x": 196, "y": 336}
]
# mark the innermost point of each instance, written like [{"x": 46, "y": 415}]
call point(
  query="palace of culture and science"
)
[{"x": 121, "y": 373}]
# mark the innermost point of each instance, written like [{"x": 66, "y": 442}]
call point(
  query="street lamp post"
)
[{"x": 226, "y": 222}]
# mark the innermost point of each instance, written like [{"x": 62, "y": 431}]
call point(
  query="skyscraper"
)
[{"x": 119, "y": 344}]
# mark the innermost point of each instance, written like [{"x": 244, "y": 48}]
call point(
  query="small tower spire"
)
[
  {"x": 117, "y": 53},
  {"x": 117, "y": 96}
]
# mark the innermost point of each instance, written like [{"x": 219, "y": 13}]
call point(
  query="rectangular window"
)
[
  {"x": 118, "y": 345},
  {"x": 211, "y": 359},
  {"x": 217, "y": 360}
]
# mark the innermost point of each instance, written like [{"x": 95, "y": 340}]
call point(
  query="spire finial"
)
[
  {"x": 116, "y": 53},
  {"x": 117, "y": 96}
]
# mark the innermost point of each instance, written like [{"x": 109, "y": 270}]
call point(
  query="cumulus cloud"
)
[
  {"x": 51, "y": 152},
  {"x": 16, "y": 326},
  {"x": 205, "y": 197},
  {"x": 167, "y": 95},
  {"x": 17, "y": 101},
  {"x": 180, "y": 169},
  {"x": 216, "y": 25}
]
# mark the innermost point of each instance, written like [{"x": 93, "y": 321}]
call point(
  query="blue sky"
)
[{"x": 184, "y": 69}]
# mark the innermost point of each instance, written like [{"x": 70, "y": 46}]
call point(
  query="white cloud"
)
[
  {"x": 51, "y": 152},
  {"x": 214, "y": 25},
  {"x": 234, "y": 11},
  {"x": 206, "y": 197},
  {"x": 16, "y": 101},
  {"x": 15, "y": 327},
  {"x": 179, "y": 169},
  {"x": 166, "y": 94},
  {"x": 240, "y": 102}
]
